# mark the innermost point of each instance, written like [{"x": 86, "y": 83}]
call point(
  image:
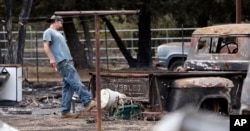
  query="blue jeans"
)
[{"x": 71, "y": 83}]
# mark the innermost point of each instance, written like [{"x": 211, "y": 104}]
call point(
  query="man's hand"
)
[{"x": 53, "y": 65}]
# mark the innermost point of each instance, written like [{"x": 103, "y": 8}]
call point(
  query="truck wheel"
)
[
  {"x": 211, "y": 106},
  {"x": 176, "y": 66},
  {"x": 215, "y": 105}
]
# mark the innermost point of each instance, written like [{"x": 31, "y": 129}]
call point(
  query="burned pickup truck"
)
[
  {"x": 215, "y": 69},
  {"x": 222, "y": 49}
]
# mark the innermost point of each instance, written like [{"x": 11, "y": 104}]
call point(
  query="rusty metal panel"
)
[
  {"x": 203, "y": 82},
  {"x": 224, "y": 29},
  {"x": 212, "y": 65},
  {"x": 134, "y": 85}
]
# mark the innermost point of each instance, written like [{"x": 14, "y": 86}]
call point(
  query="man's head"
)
[
  {"x": 55, "y": 21},
  {"x": 54, "y": 18}
]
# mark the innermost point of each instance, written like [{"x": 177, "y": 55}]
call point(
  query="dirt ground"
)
[
  {"x": 52, "y": 122},
  {"x": 39, "y": 109}
]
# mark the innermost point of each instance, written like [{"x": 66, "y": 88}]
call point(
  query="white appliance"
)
[{"x": 11, "y": 90}]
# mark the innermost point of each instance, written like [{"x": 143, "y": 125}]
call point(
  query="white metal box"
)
[{"x": 12, "y": 89}]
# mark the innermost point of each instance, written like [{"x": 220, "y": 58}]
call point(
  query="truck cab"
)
[{"x": 220, "y": 48}]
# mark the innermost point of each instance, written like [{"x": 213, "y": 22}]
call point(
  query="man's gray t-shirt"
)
[{"x": 58, "y": 45}]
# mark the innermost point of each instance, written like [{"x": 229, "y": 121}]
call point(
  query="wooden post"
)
[{"x": 238, "y": 11}]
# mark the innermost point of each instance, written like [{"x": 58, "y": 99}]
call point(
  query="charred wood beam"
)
[{"x": 131, "y": 61}]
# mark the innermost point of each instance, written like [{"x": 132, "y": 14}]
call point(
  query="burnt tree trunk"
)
[
  {"x": 75, "y": 46},
  {"x": 144, "y": 55},
  {"x": 8, "y": 27},
  {"x": 131, "y": 61},
  {"x": 88, "y": 44},
  {"x": 23, "y": 20}
]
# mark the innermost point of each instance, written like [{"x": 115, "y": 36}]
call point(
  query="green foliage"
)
[
  {"x": 164, "y": 13},
  {"x": 197, "y": 12}
]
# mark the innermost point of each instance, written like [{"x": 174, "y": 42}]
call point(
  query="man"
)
[{"x": 60, "y": 58}]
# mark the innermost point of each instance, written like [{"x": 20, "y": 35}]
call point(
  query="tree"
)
[
  {"x": 75, "y": 46},
  {"x": 144, "y": 52},
  {"x": 196, "y": 12},
  {"x": 144, "y": 57},
  {"x": 89, "y": 54},
  {"x": 15, "y": 50},
  {"x": 85, "y": 26},
  {"x": 8, "y": 27},
  {"x": 23, "y": 20}
]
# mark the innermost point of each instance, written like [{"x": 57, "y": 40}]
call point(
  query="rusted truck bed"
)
[{"x": 158, "y": 92}]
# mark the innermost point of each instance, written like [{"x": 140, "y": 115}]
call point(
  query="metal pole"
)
[
  {"x": 238, "y": 11},
  {"x": 100, "y": 12},
  {"x": 107, "y": 56},
  {"x": 182, "y": 36},
  {"x": 37, "y": 64},
  {"x": 98, "y": 82}
]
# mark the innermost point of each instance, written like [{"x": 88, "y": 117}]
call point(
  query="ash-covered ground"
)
[{"x": 39, "y": 111}]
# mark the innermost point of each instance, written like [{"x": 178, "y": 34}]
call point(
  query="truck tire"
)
[
  {"x": 215, "y": 105},
  {"x": 176, "y": 66}
]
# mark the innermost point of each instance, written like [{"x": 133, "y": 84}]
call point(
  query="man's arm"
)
[{"x": 47, "y": 51}]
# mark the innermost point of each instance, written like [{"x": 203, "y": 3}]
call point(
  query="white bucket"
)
[{"x": 109, "y": 98}]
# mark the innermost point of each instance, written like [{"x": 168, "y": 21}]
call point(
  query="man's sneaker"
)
[
  {"x": 69, "y": 115},
  {"x": 90, "y": 106}
]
